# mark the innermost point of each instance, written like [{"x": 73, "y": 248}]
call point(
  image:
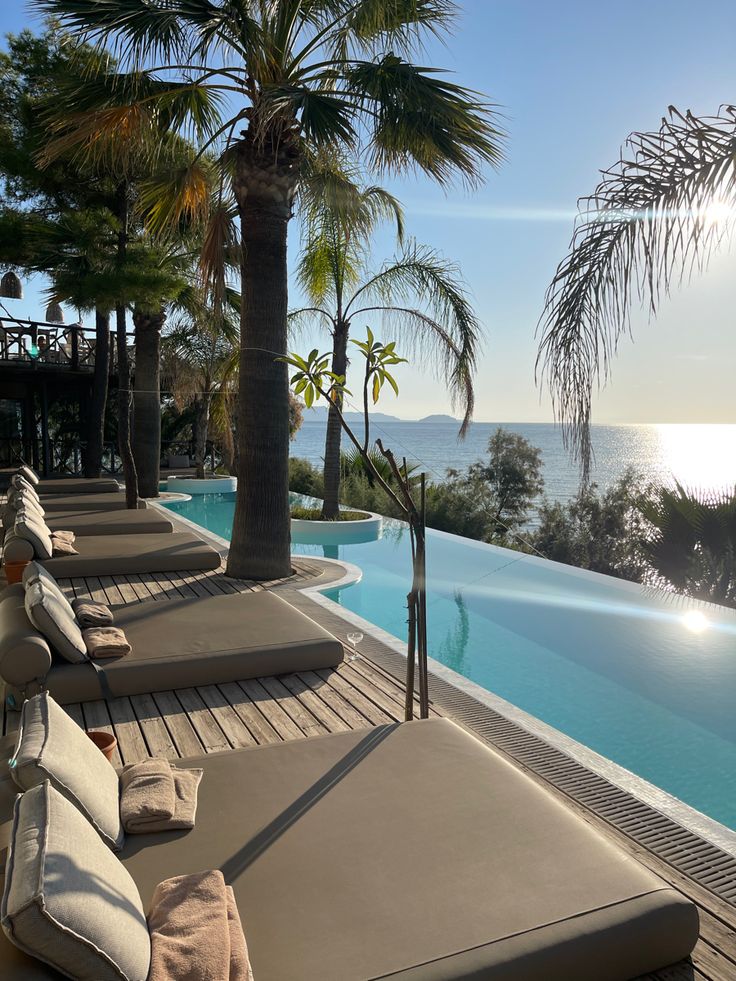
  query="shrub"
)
[{"x": 304, "y": 478}]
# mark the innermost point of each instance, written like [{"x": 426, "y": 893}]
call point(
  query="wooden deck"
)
[{"x": 359, "y": 694}]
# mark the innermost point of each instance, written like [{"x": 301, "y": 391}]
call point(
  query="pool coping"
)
[{"x": 695, "y": 844}]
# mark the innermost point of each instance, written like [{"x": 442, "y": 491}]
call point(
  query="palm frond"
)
[
  {"x": 443, "y": 326},
  {"x": 656, "y": 216}
]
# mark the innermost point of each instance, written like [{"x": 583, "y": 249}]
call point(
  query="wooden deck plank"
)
[
  {"x": 97, "y": 716},
  {"x": 311, "y": 700},
  {"x": 130, "y": 739},
  {"x": 307, "y": 723},
  {"x": 236, "y": 732},
  {"x": 181, "y": 729},
  {"x": 249, "y": 714},
  {"x": 270, "y": 707},
  {"x": 375, "y": 715},
  {"x": 339, "y": 705},
  {"x": 153, "y": 728},
  {"x": 209, "y": 732}
]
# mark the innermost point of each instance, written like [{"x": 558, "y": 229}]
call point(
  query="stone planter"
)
[
  {"x": 309, "y": 532},
  {"x": 211, "y": 485}
]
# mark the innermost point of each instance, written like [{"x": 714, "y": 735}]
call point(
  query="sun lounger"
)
[
  {"x": 409, "y": 852},
  {"x": 133, "y": 522},
  {"x": 179, "y": 643},
  {"x": 85, "y": 502},
  {"x": 78, "y": 485},
  {"x": 108, "y": 555}
]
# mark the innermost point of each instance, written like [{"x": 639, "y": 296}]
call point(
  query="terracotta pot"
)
[
  {"x": 104, "y": 741},
  {"x": 14, "y": 571}
]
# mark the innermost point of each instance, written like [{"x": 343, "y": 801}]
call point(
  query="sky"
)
[{"x": 572, "y": 79}]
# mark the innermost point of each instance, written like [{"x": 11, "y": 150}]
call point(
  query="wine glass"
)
[{"x": 354, "y": 638}]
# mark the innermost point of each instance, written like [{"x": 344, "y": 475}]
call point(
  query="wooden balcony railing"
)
[{"x": 29, "y": 344}]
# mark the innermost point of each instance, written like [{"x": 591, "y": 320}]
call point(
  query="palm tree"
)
[
  {"x": 419, "y": 293},
  {"x": 297, "y": 76},
  {"x": 691, "y": 544},
  {"x": 657, "y": 215}
]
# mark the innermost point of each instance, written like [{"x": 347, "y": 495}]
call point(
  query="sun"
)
[
  {"x": 695, "y": 621},
  {"x": 718, "y": 213}
]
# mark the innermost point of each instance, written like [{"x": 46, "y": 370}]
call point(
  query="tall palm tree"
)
[
  {"x": 419, "y": 294},
  {"x": 298, "y": 76},
  {"x": 657, "y": 215}
]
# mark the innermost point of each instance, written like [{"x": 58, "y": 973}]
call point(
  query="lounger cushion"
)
[
  {"x": 106, "y": 555},
  {"x": 22, "y": 499},
  {"x": 19, "y": 483},
  {"x": 86, "y": 502},
  {"x": 34, "y": 571},
  {"x": 30, "y": 474},
  {"x": 51, "y": 614},
  {"x": 125, "y": 522},
  {"x": 417, "y": 853},
  {"x": 79, "y": 485},
  {"x": 68, "y": 900},
  {"x": 25, "y": 656},
  {"x": 51, "y": 746},
  {"x": 201, "y": 641},
  {"x": 32, "y": 528}
]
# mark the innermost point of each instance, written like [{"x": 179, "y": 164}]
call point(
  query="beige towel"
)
[
  {"x": 155, "y": 796},
  {"x": 105, "y": 642},
  {"x": 188, "y": 923},
  {"x": 60, "y": 546},
  {"x": 63, "y": 536},
  {"x": 91, "y": 614},
  {"x": 239, "y": 961}
]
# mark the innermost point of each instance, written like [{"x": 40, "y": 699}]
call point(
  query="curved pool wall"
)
[{"x": 615, "y": 666}]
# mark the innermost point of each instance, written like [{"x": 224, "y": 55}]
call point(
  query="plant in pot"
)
[{"x": 313, "y": 380}]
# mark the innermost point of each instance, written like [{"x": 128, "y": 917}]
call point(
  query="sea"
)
[{"x": 697, "y": 455}]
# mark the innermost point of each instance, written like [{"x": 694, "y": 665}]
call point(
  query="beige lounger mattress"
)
[
  {"x": 201, "y": 641},
  {"x": 83, "y": 502},
  {"x": 414, "y": 853},
  {"x": 120, "y": 522},
  {"x": 78, "y": 485},
  {"x": 108, "y": 555}
]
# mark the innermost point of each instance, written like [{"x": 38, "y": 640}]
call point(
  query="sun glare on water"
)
[{"x": 695, "y": 621}]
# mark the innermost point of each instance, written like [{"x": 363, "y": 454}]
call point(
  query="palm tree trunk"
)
[
  {"x": 130, "y": 474},
  {"x": 331, "y": 472},
  {"x": 201, "y": 428},
  {"x": 96, "y": 421},
  {"x": 147, "y": 401},
  {"x": 264, "y": 185}
]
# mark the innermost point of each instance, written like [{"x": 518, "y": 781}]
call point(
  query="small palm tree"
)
[
  {"x": 296, "y": 78},
  {"x": 419, "y": 295},
  {"x": 691, "y": 545},
  {"x": 658, "y": 214}
]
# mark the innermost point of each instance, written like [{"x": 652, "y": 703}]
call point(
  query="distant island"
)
[
  {"x": 440, "y": 417},
  {"x": 319, "y": 414}
]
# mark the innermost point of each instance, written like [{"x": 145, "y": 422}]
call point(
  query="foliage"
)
[
  {"x": 656, "y": 215},
  {"x": 315, "y": 514},
  {"x": 304, "y": 478},
  {"x": 513, "y": 476},
  {"x": 599, "y": 531},
  {"x": 690, "y": 541}
]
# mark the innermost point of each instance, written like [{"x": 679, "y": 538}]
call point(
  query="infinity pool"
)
[{"x": 644, "y": 678}]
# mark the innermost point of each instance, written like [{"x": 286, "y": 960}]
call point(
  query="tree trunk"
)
[
  {"x": 201, "y": 428},
  {"x": 124, "y": 405},
  {"x": 96, "y": 421},
  {"x": 147, "y": 401},
  {"x": 264, "y": 186},
  {"x": 331, "y": 473}
]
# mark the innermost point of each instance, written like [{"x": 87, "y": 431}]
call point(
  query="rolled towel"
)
[
  {"x": 188, "y": 923},
  {"x": 104, "y": 642},
  {"x": 90, "y": 614},
  {"x": 155, "y": 796},
  {"x": 63, "y": 536},
  {"x": 59, "y": 546},
  {"x": 240, "y": 969}
]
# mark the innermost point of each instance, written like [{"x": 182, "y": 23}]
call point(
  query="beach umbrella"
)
[{"x": 11, "y": 286}]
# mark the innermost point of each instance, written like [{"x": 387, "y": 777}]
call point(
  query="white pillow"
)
[
  {"x": 51, "y": 614},
  {"x": 22, "y": 499},
  {"x": 68, "y": 901},
  {"x": 29, "y": 473},
  {"x": 18, "y": 482},
  {"x": 33, "y": 529},
  {"x": 34, "y": 572}
]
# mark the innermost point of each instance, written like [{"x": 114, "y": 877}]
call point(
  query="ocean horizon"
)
[{"x": 699, "y": 455}]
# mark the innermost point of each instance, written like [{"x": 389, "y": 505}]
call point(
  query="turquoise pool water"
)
[{"x": 644, "y": 678}]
